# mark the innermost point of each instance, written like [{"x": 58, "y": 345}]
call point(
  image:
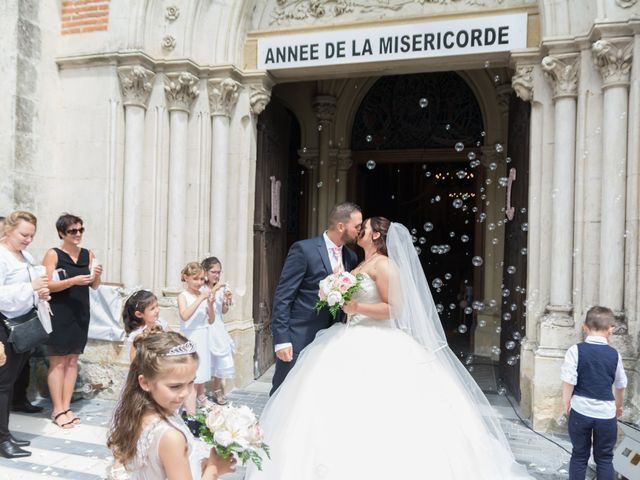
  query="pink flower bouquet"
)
[{"x": 336, "y": 290}]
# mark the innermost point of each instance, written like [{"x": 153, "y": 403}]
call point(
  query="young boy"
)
[{"x": 589, "y": 371}]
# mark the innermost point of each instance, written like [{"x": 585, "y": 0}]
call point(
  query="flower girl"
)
[{"x": 147, "y": 437}]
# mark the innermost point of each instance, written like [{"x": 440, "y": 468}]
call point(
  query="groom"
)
[{"x": 295, "y": 321}]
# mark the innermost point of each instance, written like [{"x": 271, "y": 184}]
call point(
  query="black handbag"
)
[{"x": 25, "y": 331}]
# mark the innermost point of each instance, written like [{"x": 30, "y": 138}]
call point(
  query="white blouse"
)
[{"x": 16, "y": 293}]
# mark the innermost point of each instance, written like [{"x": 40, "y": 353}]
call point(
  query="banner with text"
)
[{"x": 464, "y": 36}]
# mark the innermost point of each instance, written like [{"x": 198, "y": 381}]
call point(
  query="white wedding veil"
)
[{"x": 413, "y": 311}]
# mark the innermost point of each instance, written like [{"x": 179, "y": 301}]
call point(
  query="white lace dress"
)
[
  {"x": 366, "y": 401},
  {"x": 147, "y": 465}
]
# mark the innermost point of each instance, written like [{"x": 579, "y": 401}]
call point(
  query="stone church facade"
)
[{"x": 161, "y": 125}]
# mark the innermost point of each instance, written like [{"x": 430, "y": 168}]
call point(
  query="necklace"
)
[{"x": 363, "y": 263}]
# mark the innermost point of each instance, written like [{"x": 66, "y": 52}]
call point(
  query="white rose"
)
[
  {"x": 216, "y": 419},
  {"x": 334, "y": 298}
]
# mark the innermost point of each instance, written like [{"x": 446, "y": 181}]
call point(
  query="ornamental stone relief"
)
[
  {"x": 180, "y": 89},
  {"x": 562, "y": 71},
  {"x": 136, "y": 83},
  {"x": 613, "y": 60},
  {"x": 522, "y": 82},
  {"x": 281, "y": 12},
  {"x": 223, "y": 95},
  {"x": 626, "y": 3}
]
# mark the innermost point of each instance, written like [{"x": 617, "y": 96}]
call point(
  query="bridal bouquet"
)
[
  {"x": 232, "y": 431},
  {"x": 336, "y": 290}
]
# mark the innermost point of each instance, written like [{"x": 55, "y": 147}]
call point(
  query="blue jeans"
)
[{"x": 581, "y": 430}]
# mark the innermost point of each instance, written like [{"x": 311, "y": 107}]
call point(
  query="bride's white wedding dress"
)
[{"x": 366, "y": 401}]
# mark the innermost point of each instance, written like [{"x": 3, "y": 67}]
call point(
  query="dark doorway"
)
[
  {"x": 279, "y": 218},
  {"x": 416, "y": 142}
]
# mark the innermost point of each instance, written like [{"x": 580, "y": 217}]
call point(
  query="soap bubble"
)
[
  {"x": 493, "y": 166},
  {"x": 506, "y": 316},
  {"x": 427, "y": 174},
  {"x": 462, "y": 328},
  {"x": 511, "y": 361},
  {"x": 369, "y": 138},
  {"x": 457, "y": 203},
  {"x": 414, "y": 231},
  {"x": 459, "y": 146},
  {"x": 477, "y": 261},
  {"x": 423, "y": 102},
  {"x": 418, "y": 250},
  {"x": 516, "y": 335},
  {"x": 371, "y": 164},
  {"x": 482, "y": 323},
  {"x": 503, "y": 181},
  {"x": 510, "y": 345},
  {"x": 523, "y": 251},
  {"x": 452, "y": 306},
  {"x": 320, "y": 127},
  {"x": 511, "y": 269},
  {"x": 319, "y": 184},
  {"x": 499, "y": 148},
  {"x": 422, "y": 240},
  {"x": 464, "y": 238},
  {"x": 428, "y": 226},
  {"x": 524, "y": 227},
  {"x": 447, "y": 276},
  {"x": 468, "y": 310},
  {"x": 471, "y": 155},
  {"x": 436, "y": 283},
  {"x": 447, "y": 127}
]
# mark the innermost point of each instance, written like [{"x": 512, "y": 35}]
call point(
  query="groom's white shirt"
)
[{"x": 335, "y": 263}]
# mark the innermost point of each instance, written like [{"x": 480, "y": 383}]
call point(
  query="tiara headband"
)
[{"x": 186, "y": 348}]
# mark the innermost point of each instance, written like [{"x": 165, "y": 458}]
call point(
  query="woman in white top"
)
[{"x": 20, "y": 289}]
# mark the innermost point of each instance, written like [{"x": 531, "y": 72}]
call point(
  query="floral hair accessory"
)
[{"x": 186, "y": 348}]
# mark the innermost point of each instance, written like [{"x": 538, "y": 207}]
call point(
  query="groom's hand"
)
[{"x": 285, "y": 354}]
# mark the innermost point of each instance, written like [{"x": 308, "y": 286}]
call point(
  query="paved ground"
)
[{"x": 80, "y": 453}]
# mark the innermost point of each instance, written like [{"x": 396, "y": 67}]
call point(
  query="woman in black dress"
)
[{"x": 69, "y": 273}]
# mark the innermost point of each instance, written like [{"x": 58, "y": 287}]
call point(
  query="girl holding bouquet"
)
[
  {"x": 221, "y": 345},
  {"x": 148, "y": 438},
  {"x": 196, "y": 309}
]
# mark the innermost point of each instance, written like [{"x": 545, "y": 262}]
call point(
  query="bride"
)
[{"x": 383, "y": 396}]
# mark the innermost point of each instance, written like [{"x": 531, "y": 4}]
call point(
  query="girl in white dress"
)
[
  {"x": 140, "y": 311},
  {"x": 335, "y": 416},
  {"x": 196, "y": 309},
  {"x": 148, "y": 439},
  {"x": 220, "y": 342}
]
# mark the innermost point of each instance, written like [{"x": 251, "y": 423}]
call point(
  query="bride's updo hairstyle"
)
[
  {"x": 380, "y": 225},
  {"x": 157, "y": 352}
]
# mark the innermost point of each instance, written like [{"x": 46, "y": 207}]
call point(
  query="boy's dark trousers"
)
[{"x": 581, "y": 430}]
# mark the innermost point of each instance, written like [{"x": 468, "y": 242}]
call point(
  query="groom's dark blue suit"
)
[{"x": 294, "y": 318}]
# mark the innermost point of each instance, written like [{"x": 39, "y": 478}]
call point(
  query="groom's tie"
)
[{"x": 337, "y": 256}]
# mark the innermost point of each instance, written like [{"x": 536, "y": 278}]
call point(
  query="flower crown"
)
[{"x": 186, "y": 348}]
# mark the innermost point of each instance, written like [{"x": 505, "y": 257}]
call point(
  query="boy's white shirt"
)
[{"x": 602, "y": 409}]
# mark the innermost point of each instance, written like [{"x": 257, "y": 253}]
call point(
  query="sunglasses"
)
[{"x": 75, "y": 231}]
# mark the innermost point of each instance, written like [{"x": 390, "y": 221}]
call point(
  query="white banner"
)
[{"x": 464, "y": 36}]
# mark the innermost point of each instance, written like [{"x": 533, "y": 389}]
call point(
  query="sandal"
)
[
  {"x": 219, "y": 398},
  {"x": 204, "y": 402},
  {"x": 64, "y": 426},
  {"x": 75, "y": 419}
]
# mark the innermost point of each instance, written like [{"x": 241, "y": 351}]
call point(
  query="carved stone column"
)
[
  {"x": 562, "y": 71},
  {"x": 136, "y": 84},
  {"x": 343, "y": 165},
  {"x": 309, "y": 160},
  {"x": 325, "y": 109},
  {"x": 223, "y": 96},
  {"x": 181, "y": 89},
  {"x": 613, "y": 58}
]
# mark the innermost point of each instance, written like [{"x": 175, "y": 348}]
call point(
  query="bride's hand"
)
[{"x": 350, "y": 308}]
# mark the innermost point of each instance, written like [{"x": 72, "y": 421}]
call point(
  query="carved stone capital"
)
[
  {"x": 136, "y": 84},
  {"x": 325, "y": 107},
  {"x": 503, "y": 96},
  {"x": 344, "y": 160},
  {"x": 626, "y": 3},
  {"x": 180, "y": 89},
  {"x": 309, "y": 160},
  {"x": 522, "y": 82},
  {"x": 259, "y": 99},
  {"x": 223, "y": 95},
  {"x": 613, "y": 59},
  {"x": 563, "y": 72}
]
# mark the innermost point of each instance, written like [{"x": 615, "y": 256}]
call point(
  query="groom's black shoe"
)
[
  {"x": 9, "y": 450},
  {"x": 26, "y": 407}
]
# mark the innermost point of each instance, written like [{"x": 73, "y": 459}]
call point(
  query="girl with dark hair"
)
[
  {"x": 141, "y": 311},
  {"x": 70, "y": 273},
  {"x": 221, "y": 345},
  {"x": 148, "y": 438}
]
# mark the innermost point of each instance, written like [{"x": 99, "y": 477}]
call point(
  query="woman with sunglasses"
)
[{"x": 70, "y": 275}]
